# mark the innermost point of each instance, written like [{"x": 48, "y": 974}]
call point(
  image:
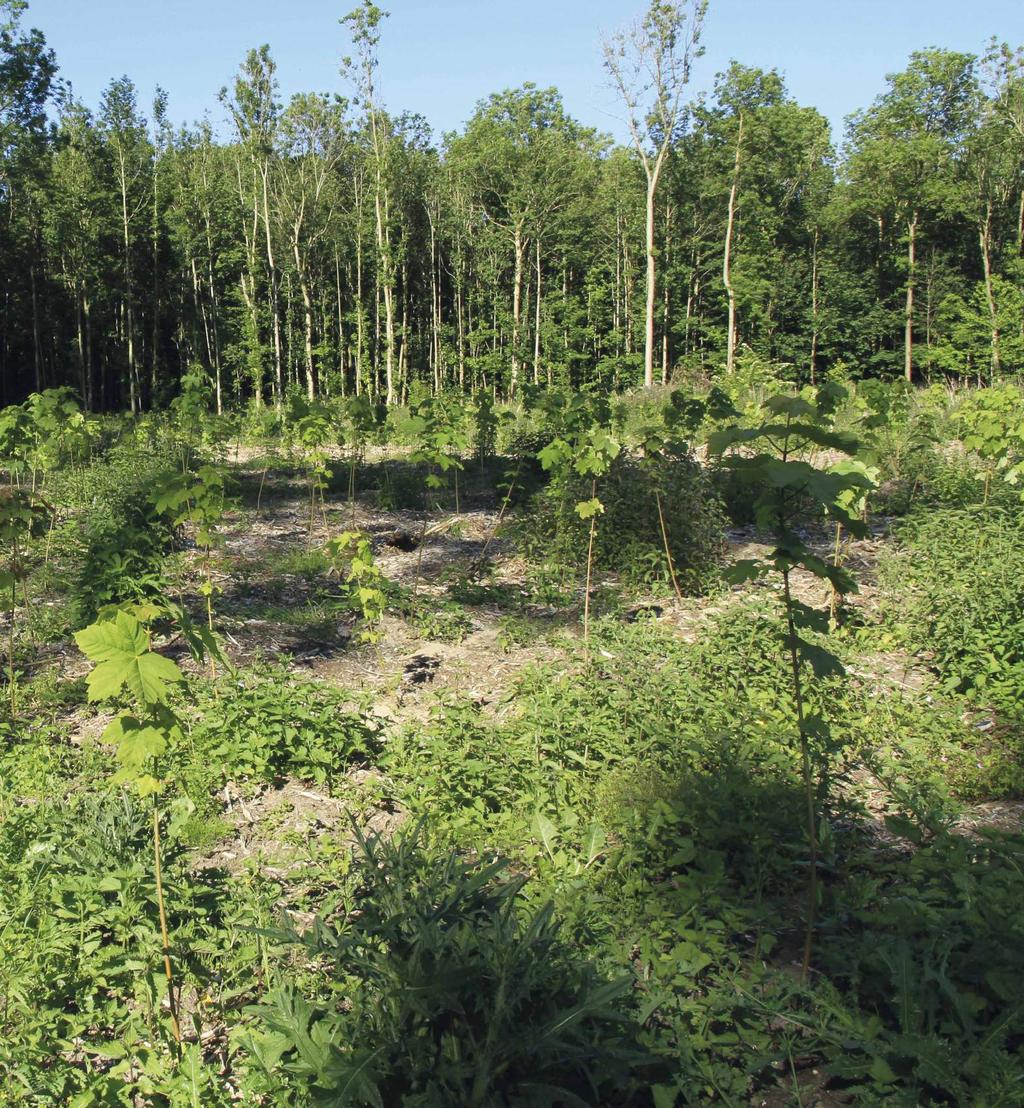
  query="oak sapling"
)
[{"x": 792, "y": 428}]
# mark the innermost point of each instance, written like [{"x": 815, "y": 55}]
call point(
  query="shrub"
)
[
  {"x": 629, "y": 538},
  {"x": 441, "y": 987},
  {"x": 265, "y": 724},
  {"x": 957, "y": 582}
]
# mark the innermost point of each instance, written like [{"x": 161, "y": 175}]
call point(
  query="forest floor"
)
[{"x": 277, "y": 601}]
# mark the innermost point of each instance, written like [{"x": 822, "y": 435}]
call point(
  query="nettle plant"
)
[
  {"x": 774, "y": 455},
  {"x": 200, "y": 499},
  {"x": 993, "y": 421},
  {"x": 131, "y": 675},
  {"x": 587, "y": 448},
  {"x": 22, "y": 518},
  {"x": 351, "y": 555}
]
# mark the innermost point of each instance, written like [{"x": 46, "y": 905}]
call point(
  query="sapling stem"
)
[
  {"x": 590, "y": 559},
  {"x": 10, "y": 630},
  {"x": 668, "y": 552},
  {"x": 808, "y": 776},
  {"x": 164, "y": 937},
  {"x": 259, "y": 495}
]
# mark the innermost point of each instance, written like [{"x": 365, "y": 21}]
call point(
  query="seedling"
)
[
  {"x": 793, "y": 426},
  {"x": 350, "y": 553},
  {"x": 199, "y": 499},
  {"x": 128, "y": 669}
]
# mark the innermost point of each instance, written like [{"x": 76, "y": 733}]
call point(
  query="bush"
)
[
  {"x": 265, "y": 724},
  {"x": 957, "y": 582},
  {"x": 443, "y": 988},
  {"x": 628, "y": 536},
  {"x": 119, "y": 542}
]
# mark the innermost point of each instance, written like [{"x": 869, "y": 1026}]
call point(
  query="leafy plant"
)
[
  {"x": 199, "y": 499},
  {"x": 457, "y": 994},
  {"x": 22, "y": 518},
  {"x": 793, "y": 425},
  {"x": 351, "y": 553},
  {"x": 126, "y": 666}
]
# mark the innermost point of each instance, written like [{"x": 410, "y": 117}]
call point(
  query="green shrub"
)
[
  {"x": 265, "y": 724},
  {"x": 119, "y": 541},
  {"x": 442, "y": 987},
  {"x": 957, "y": 584},
  {"x": 628, "y": 537}
]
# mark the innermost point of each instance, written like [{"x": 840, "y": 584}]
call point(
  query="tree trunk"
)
[
  {"x": 652, "y": 190},
  {"x": 814, "y": 307},
  {"x": 985, "y": 240},
  {"x": 730, "y": 292},
  {"x": 275, "y": 308},
  {"x": 908, "y": 332},
  {"x": 519, "y": 243},
  {"x": 536, "y": 322},
  {"x": 307, "y": 315}
]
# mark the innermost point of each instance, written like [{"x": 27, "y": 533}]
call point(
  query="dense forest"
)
[{"x": 333, "y": 246}]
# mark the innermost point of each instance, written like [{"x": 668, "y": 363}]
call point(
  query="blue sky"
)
[{"x": 439, "y": 57}]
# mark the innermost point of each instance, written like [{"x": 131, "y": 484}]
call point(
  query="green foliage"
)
[
  {"x": 628, "y": 540},
  {"x": 266, "y": 725},
  {"x": 456, "y": 993},
  {"x": 118, "y": 541},
  {"x": 351, "y": 553},
  {"x": 994, "y": 424},
  {"x": 441, "y": 432},
  {"x": 956, "y": 585}
]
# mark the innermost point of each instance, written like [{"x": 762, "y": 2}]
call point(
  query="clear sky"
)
[{"x": 438, "y": 57}]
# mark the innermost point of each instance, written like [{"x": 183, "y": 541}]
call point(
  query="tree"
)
[
  {"x": 312, "y": 137},
  {"x": 131, "y": 157},
  {"x": 523, "y": 160},
  {"x": 363, "y": 24},
  {"x": 903, "y": 155},
  {"x": 650, "y": 67}
]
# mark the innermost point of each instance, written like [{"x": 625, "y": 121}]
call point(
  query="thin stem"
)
[
  {"x": 209, "y": 609},
  {"x": 10, "y": 641},
  {"x": 164, "y": 938},
  {"x": 259, "y": 495},
  {"x": 501, "y": 515},
  {"x": 590, "y": 560},
  {"x": 668, "y": 552},
  {"x": 808, "y": 776}
]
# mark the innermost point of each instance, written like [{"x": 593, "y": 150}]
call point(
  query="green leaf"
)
[
  {"x": 121, "y": 648},
  {"x": 587, "y": 509},
  {"x": 546, "y": 831}
]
